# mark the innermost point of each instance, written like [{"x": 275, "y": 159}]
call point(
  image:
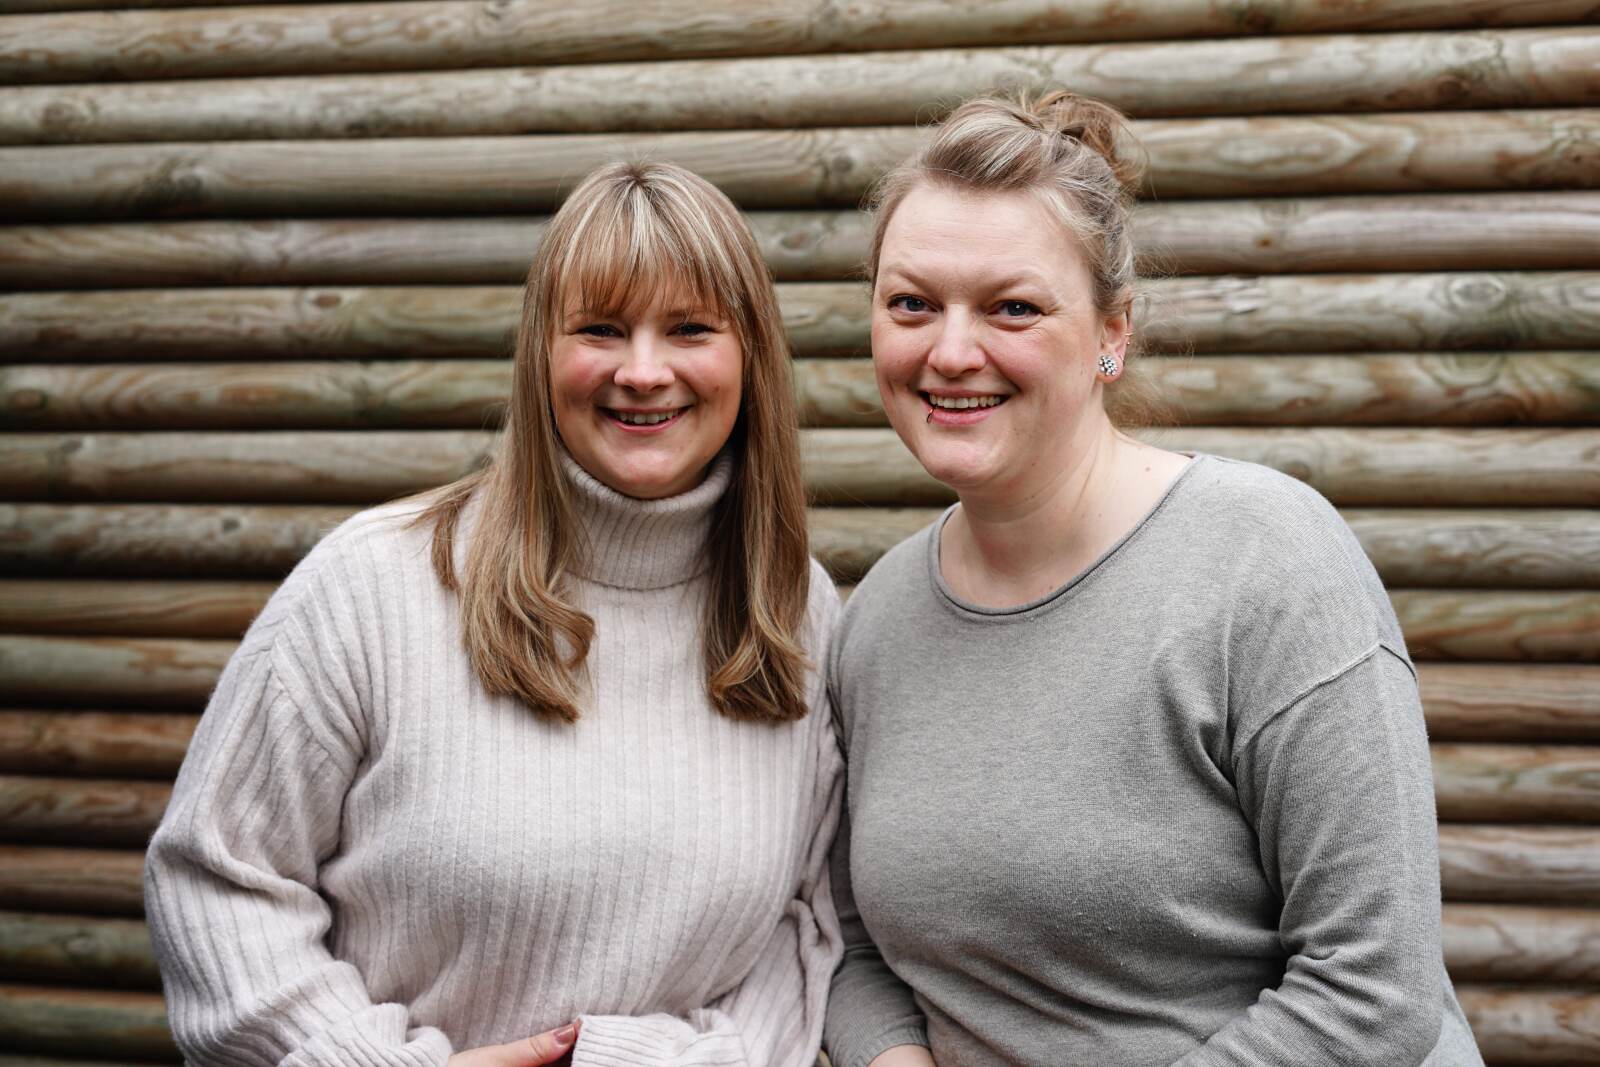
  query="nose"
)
[
  {"x": 643, "y": 368},
  {"x": 956, "y": 350}
]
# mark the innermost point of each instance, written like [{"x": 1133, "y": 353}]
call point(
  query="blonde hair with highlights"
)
[
  {"x": 1069, "y": 151},
  {"x": 629, "y": 233}
]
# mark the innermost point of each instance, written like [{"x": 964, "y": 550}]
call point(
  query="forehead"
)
[{"x": 964, "y": 234}]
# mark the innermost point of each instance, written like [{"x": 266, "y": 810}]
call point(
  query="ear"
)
[{"x": 1115, "y": 332}]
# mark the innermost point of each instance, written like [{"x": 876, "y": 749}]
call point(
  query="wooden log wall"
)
[{"x": 259, "y": 266}]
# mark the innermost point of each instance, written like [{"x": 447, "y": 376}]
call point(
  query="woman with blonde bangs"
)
[
  {"x": 530, "y": 768},
  {"x": 1137, "y": 772}
]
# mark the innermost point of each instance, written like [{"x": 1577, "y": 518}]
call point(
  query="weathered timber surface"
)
[
  {"x": 1515, "y": 548},
  {"x": 1534, "y": 1028},
  {"x": 1428, "y": 389},
  {"x": 1514, "y": 625},
  {"x": 1377, "y": 467},
  {"x": 1528, "y": 864},
  {"x": 77, "y": 811},
  {"x": 251, "y": 41},
  {"x": 75, "y": 950},
  {"x": 140, "y": 609},
  {"x": 1294, "y": 235},
  {"x": 1511, "y": 943},
  {"x": 53, "y": 1061},
  {"x": 1527, "y": 702},
  {"x": 1546, "y": 67},
  {"x": 116, "y": 744},
  {"x": 1517, "y": 783},
  {"x": 93, "y": 881},
  {"x": 824, "y": 167},
  {"x": 130, "y": 540},
  {"x": 126, "y": 672},
  {"x": 84, "y": 1022},
  {"x": 1318, "y": 313}
]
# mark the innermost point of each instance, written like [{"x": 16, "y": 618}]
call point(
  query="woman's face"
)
[
  {"x": 985, "y": 338},
  {"x": 644, "y": 400}
]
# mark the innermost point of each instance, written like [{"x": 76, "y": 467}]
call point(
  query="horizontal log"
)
[
  {"x": 834, "y": 166},
  {"x": 1502, "y": 231},
  {"x": 1306, "y": 313},
  {"x": 1534, "y": 1028},
  {"x": 251, "y": 41},
  {"x": 1517, "y": 783},
  {"x": 1510, "y": 548},
  {"x": 112, "y": 744},
  {"x": 53, "y": 1061},
  {"x": 140, "y": 609},
  {"x": 77, "y": 811},
  {"x": 1546, "y": 67},
  {"x": 91, "y": 881},
  {"x": 1482, "y": 943},
  {"x": 1525, "y": 864},
  {"x": 84, "y": 1022},
  {"x": 1500, "y": 625},
  {"x": 1437, "y": 389},
  {"x": 74, "y": 950},
  {"x": 125, "y": 672},
  {"x": 1518, "y": 943},
  {"x": 1377, "y": 467},
  {"x": 1489, "y": 702}
]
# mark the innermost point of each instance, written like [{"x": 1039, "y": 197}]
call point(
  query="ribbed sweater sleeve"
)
[
  {"x": 232, "y": 873},
  {"x": 774, "y": 1016},
  {"x": 1359, "y": 882}
]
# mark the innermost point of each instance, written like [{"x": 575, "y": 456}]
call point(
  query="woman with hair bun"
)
[
  {"x": 1137, "y": 772},
  {"x": 534, "y": 767}
]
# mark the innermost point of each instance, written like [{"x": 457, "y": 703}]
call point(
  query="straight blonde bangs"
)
[{"x": 631, "y": 234}]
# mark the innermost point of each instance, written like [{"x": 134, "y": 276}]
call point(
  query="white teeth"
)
[
  {"x": 640, "y": 418},
  {"x": 961, "y": 403}
]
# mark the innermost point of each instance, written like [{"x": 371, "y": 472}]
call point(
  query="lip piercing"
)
[{"x": 930, "y": 416}]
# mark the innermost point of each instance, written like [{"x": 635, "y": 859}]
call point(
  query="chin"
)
[{"x": 958, "y": 468}]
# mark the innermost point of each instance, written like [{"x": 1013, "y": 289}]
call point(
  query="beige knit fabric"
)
[{"x": 369, "y": 862}]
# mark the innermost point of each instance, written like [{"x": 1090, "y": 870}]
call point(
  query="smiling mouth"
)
[
  {"x": 961, "y": 403},
  {"x": 643, "y": 418}
]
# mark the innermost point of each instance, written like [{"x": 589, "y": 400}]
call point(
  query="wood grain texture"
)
[
  {"x": 824, "y": 167},
  {"x": 90, "y": 881},
  {"x": 84, "y": 1022},
  {"x": 1288, "y": 235},
  {"x": 78, "y": 811},
  {"x": 1528, "y": 864},
  {"x": 1517, "y": 783},
  {"x": 1509, "y": 625},
  {"x": 130, "y": 540},
  {"x": 1429, "y": 389},
  {"x": 114, "y": 744},
  {"x": 1546, "y": 67},
  {"x": 1490, "y": 702},
  {"x": 141, "y": 609},
  {"x": 1374, "y": 467},
  {"x": 1308, "y": 313},
  {"x": 1442, "y": 547},
  {"x": 424, "y": 34},
  {"x": 124, "y": 672},
  {"x": 1534, "y": 1028},
  {"x": 1518, "y": 943},
  {"x": 76, "y": 950},
  {"x": 54, "y": 1061}
]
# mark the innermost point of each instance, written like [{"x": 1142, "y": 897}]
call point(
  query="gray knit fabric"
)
[
  {"x": 1178, "y": 811},
  {"x": 369, "y": 862}
]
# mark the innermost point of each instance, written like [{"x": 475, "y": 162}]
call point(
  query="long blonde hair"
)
[
  {"x": 628, "y": 233},
  {"x": 1070, "y": 151}
]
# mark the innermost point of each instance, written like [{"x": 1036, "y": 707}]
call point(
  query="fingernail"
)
[{"x": 566, "y": 1035}]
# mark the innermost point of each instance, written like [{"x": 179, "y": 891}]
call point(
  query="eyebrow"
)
[{"x": 1022, "y": 277}]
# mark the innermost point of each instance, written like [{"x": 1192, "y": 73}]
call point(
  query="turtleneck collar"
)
[{"x": 645, "y": 544}]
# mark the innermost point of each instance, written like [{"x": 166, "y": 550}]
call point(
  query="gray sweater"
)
[
  {"x": 369, "y": 861},
  {"x": 1179, "y": 810}
]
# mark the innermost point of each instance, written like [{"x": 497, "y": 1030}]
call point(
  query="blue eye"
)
[
  {"x": 1017, "y": 309},
  {"x": 599, "y": 329},
  {"x": 912, "y": 304}
]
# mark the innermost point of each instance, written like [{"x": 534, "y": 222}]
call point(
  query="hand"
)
[
  {"x": 548, "y": 1047},
  {"x": 903, "y": 1056}
]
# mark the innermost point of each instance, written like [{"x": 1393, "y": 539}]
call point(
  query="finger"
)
[{"x": 549, "y": 1046}]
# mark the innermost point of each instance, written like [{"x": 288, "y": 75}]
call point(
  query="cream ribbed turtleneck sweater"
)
[{"x": 368, "y": 861}]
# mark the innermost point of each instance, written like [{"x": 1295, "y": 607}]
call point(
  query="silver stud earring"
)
[{"x": 1109, "y": 366}]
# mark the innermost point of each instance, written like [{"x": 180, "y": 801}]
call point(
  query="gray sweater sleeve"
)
[{"x": 1359, "y": 881}]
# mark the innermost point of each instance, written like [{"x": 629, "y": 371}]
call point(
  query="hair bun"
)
[{"x": 1097, "y": 126}]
